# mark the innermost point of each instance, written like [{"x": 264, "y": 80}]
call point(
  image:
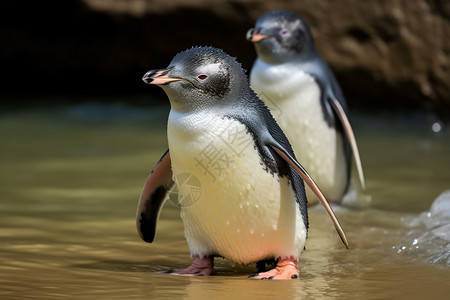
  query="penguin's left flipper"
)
[
  {"x": 339, "y": 110},
  {"x": 153, "y": 196},
  {"x": 310, "y": 182}
]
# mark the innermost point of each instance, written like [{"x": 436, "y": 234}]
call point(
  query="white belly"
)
[
  {"x": 294, "y": 99},
  {"x": 234, "y": 208}
]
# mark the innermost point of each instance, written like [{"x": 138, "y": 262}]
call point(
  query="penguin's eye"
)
[
  {"x": 202, "y": 77},
  {"x": 283, "y": 32}
]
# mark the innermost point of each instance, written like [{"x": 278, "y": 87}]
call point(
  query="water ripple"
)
[{"x": 429, "y": 234}]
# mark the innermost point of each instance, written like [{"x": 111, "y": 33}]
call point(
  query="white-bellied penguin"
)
[
  {"x": 306, "y": 100},
  {"x": 239, "y": 184}
]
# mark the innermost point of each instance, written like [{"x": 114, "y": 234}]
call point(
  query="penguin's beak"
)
[
  {"x": 254, "y": 35},
  {"x": 159, "y": 77}
]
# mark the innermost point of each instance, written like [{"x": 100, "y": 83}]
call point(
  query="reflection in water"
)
[{"x": 69, "y": 183}]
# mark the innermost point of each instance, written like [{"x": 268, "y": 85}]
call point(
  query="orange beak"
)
[
  {"x": 254, "y": 36},
  {"x": 158, "y": 77}
]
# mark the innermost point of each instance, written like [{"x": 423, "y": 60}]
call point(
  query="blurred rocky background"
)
[{"x": 387, "y": 54}]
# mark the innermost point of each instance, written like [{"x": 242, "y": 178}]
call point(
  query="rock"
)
[{"x": 386, "y": 54}]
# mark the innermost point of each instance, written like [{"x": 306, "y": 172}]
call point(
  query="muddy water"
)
[{"x": 69, "y": 183}]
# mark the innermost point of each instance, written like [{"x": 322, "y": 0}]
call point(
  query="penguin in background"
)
[
  {"x": 306, "y": 100},
  {"x": 240, "y": 187}
]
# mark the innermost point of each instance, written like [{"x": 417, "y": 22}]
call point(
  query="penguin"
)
[
  {"x": 239, "y": 186},
  {"x": 306, "y": 100}
]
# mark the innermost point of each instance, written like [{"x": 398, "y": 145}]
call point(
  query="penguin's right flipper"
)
[
  {"x": 310, "y": 182},
  {"x": 153, "y": 197},
  {"x": 337, "y": 107}
]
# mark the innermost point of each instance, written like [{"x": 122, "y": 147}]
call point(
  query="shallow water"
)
[{"x": 71, "y": 177}]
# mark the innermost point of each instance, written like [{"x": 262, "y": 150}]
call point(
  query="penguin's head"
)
[
  {"x": 198, "y": 78},
  {"x": 281, "y": 35}
]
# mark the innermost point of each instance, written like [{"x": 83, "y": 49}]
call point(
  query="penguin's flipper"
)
[
  {"x": 338, "y": 109},
  {"x": 310, "y": 182},
  {"x": 153, "y": 197}
]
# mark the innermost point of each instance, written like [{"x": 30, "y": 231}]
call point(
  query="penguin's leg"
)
[
  {"x": 201, "y": 266},
  {"x": 286, "y": 269},
  {"x": 261, "y": 265}
]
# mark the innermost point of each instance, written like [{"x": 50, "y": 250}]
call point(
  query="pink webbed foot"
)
[
  {"x": 199, "y": 267},
  {"x": 285, "y": 269}
]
